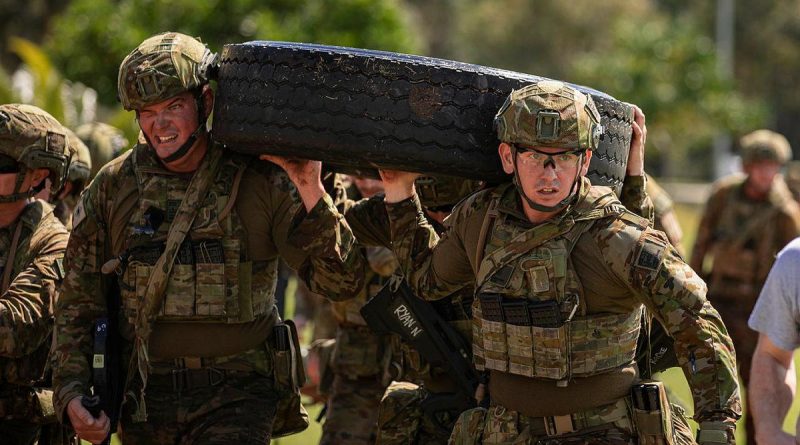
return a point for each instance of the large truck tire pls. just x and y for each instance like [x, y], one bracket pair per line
[361, 109]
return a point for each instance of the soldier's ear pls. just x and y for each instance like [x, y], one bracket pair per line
[208, 99]
[506, 157]
[587, 156]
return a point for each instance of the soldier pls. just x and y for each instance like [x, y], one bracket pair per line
[33, 148]
[192, 233]
[561, 271]
[103, 141]
[748, 219]
[359, 355]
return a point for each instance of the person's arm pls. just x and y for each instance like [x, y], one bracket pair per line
[313, 238]
[370, 222]
[771, 391]
[80, 303]
[26, 306]
[633, 194]
[658, 276]
[435, 268]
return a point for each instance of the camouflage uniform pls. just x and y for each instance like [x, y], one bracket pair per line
[31, 250]
[402, 418]
[665, 218]
[210, 363]
[741, 236]
[592, 267]
[357, 362]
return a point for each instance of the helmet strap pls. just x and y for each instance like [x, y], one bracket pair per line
[540, 207]
[17, 195]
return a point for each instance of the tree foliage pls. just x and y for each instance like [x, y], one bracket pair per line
[91, 37]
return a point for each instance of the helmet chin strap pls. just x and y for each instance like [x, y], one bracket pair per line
[19, 196]
[543, 208]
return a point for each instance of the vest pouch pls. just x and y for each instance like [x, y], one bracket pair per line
[179, 298]
[550, 353]
[358, 352]
[210, 290]
[493, 332]
[652, 413]
[290, 416]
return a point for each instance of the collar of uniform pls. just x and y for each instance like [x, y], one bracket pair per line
[511, 203]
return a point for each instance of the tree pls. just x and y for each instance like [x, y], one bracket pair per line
[91, 37]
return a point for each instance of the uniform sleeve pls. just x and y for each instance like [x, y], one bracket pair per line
[370, 222]
[435, 268]
[26, 307]
[318, 244]
[635, 198]
[777, 311]
[676, 296]
[80, 303]
[789, 223]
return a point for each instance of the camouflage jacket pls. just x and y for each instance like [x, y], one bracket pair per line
[26, 307]
[621, 265]
[742, 236]
[318, 244]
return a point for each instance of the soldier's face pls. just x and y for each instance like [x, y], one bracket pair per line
[32, 179]
[760, 175]
[546, 183]
[168, 124]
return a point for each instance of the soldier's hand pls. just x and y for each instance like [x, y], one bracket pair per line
[306, 176]
[398, 185]
[86, 426]
[638, 138]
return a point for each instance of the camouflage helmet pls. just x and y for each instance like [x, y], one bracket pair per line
[162, 67]
[549, 113]
[80, 166]
[443, 192]
[765, 145]
[104, 142]
[34, 139]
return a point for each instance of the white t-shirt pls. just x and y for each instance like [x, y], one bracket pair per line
[777, 311]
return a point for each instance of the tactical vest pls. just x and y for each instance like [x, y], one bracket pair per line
[743, 251]
[212, 279]
[529, 314]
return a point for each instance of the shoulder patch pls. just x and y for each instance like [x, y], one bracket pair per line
[650, 254]
[79, 214]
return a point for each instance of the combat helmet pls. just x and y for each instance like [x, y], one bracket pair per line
[552, 114]
[441, 193]
[32, 138]
[103, 141]
[163, 67]
[79, 170]
[765, 145]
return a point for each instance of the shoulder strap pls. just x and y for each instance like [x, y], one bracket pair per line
[157, 283]
[12, 255]
[486, 227]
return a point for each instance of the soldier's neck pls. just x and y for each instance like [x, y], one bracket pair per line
[193, 158]
[10, 212]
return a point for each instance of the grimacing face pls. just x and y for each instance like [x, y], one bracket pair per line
[544, 183]
[169, 123]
